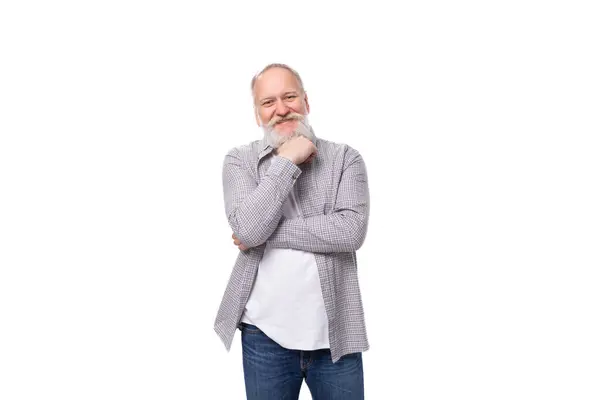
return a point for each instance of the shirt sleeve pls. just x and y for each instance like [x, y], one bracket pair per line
[255, 209]
[345, 229]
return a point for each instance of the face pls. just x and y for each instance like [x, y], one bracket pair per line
[280, 102]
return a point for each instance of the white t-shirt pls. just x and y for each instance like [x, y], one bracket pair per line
[286, 301]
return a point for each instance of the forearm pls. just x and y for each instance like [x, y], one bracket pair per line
[254, 218]
[343, 231]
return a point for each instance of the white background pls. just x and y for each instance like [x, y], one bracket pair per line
[478, 122]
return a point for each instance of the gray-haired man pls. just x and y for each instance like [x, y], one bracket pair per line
[298, 206]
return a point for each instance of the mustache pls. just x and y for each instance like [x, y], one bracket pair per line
[290, 117]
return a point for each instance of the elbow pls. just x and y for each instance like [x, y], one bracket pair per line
[359, 233]
[358, 240]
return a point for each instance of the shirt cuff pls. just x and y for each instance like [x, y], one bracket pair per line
[284, 169]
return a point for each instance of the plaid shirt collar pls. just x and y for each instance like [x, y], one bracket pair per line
[266, 149]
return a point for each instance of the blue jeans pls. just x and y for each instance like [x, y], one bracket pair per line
[274, 372]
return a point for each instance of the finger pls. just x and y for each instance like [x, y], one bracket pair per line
[237, 242]
[310, 158]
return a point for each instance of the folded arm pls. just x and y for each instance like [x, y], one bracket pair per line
[254, 210]
[345, 229]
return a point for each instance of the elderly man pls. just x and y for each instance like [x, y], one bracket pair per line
[298, 206]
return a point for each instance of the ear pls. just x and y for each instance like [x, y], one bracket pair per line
[306, 102]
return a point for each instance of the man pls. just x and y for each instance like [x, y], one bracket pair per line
[298, 206]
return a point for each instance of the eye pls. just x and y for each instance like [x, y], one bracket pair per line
[267, 103]
[290, 97]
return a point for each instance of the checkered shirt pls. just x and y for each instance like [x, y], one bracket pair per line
[333, 198]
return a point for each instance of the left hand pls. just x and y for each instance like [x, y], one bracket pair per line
[238, 243]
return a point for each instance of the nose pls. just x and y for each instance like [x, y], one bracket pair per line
[281, 109]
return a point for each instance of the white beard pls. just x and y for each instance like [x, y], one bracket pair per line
[275, 140]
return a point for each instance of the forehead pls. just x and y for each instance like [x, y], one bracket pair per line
[275, 81]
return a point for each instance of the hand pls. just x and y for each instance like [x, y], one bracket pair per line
[310, 158]
[238, 243]
[298, 150]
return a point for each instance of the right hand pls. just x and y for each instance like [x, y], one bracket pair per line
[298, 150]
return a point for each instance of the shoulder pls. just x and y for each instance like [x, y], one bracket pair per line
[245, 152]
